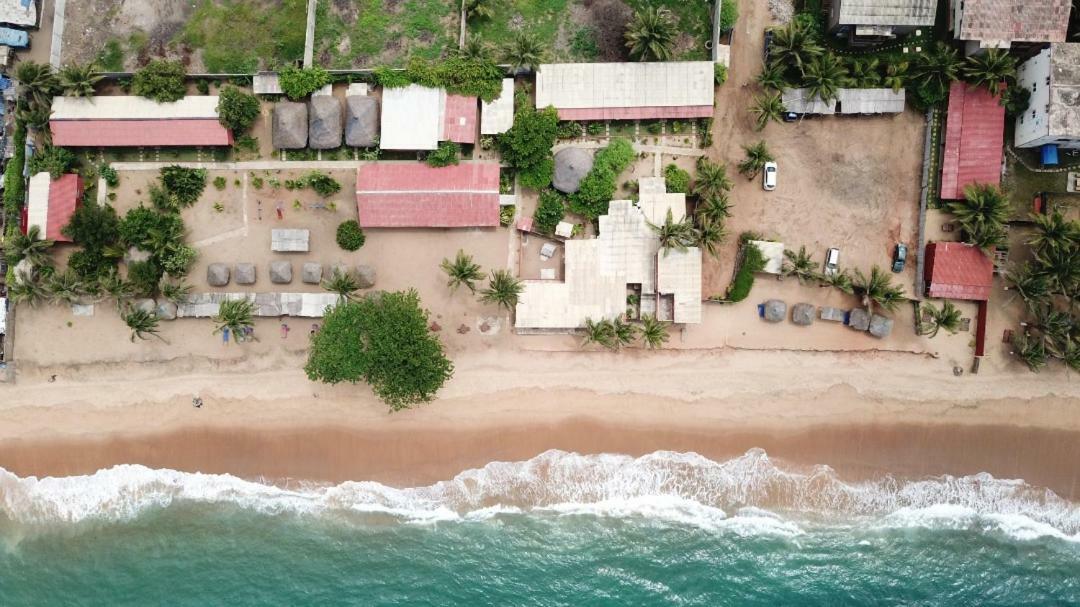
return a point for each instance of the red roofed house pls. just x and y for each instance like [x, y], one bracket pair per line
[460, 117]
[415, 195]
[128, 121]
[50, 204]
[974, 139]
[955, 270]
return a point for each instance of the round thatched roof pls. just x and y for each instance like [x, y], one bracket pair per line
[361, 121]
[571, 165]
[880, 326]
[775, 310]
[324, 123]
[802, 314]
[290, 126]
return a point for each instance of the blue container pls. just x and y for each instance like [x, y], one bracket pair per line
[1050, 155]
[14, 38]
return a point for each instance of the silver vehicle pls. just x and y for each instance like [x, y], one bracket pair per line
[769, 176]
[832, 261]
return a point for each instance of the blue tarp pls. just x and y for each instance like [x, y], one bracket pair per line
[14, 38]
[1050, 154]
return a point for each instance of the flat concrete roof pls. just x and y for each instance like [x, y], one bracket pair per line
[131, 107]
[498, 116]
[887, 12]
[1065, 89]
[625, 85]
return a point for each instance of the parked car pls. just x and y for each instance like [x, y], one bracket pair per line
[790, 116]
[899, 257]
[769, 176]
[832, 261]
[768, 43]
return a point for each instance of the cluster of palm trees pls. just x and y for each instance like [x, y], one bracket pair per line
[876, 288]
[523, 51]
[615, 333]
[705, 228]
[38, 84]
[503, 288]
[981, 215]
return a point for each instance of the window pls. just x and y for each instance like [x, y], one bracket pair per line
[1021, 119]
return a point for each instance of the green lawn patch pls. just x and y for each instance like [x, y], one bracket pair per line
[693, 19]
[245, 35]
[371, 33]
[542, 18]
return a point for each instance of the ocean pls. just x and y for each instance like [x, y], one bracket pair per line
[559, 529]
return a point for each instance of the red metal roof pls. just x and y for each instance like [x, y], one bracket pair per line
[459, 123]
[65, 194]
[415, 195]
[636, 113]
[974, 136]
[139, 133]
[956, 270]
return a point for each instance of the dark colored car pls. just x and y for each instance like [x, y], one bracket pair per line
[899, 258]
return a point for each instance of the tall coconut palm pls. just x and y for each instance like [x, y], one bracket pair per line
[64, 287]
[35, 116]
[601, 333]
[1032, 352]
[824, 76]
[343, 283]
[1031, 285]
[709, 235]
[651, 33]
[839, 280]
[756, 156]
[714, 208]
[936, 68]
[799, 264]
[525, 51]
[678, 235]
[654, 333]
[992, 68]
[30, 291]
[79, 80]
[503, 289]
[236, 315]
[896, 75]
[948, 318]
[1061, 270]
[115, 287]
[142, 323]
[37, 82]
[767, 107]
[624, 332]
[865, 73]
[711, 179]
[28, 246]
[462, 271]
[1053, 231]
[983, 212]
[772, 77]
[877, 289]
[794, 45]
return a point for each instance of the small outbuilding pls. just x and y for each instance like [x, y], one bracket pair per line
[324, 122]
[361, 121]
[290, 125]
[772, 253]
[51, 203]
[571, 166]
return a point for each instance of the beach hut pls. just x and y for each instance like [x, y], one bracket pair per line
[774, 310]
[859, 319]
[571, 166]
[290, 126]
[361, 121]
[802, 314]
[880, 327]
[324, 122]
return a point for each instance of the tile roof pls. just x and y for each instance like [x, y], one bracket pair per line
[414, 195]
[50, 203]
[974, 139]
[958, 271]
[139, 133]
[459, 119]
[1000, 22]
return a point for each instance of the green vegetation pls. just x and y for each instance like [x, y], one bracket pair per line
[651, 34]
[544, 19]
[751, 261]
[111, 56]
[768, 107]
[503, 289]
[384, 340]
[142, 323]
[298, 83]
[461, 271]
[350, 236]
[96, 228]
[160, 80]
[458, 74]
[719, 74]
[183, 185]
[219, 183]
[323, 184]
[948, 318]
[527, 145]
[982, 215]
[447, 154]
[616, 333]
[729, 13]
[654, 333]
[343, 283]
[78, 80]
[877, 288]
[242, 36]
[525, 51]
[237, 110]
[109, 174]
[678, 235]
[693, 24]
[677, 180]
[52, 160]
[550, 210]
[383, 32]
[236, 316]
[598, 186]
[756, 157]
[799, 264]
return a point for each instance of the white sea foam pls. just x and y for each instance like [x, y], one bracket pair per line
[679, 488]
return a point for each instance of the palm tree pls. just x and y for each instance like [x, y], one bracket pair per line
[176, 292]
[895, 75]
[992, 68]
[825, 76]
[28, 246]
[462, 272]
[601, 333]
[877, 289]
[114, 286]
[678, 235]
[479, 9]
[142, 323]
[525, 51]
[982, 214]
[237, 316]
[29, 291]
[65, 287]
[503, 289]
[839, 280]
[937, 68]
[948, 318]
[714, 208]
[475, 49]
[772, 77]
[865, 72]
[709, 235]
[756, 157]
[769, 106]
[1032, 286]
[79, 80]
[35, 116]
[624, 332]
[37, 81]
[650, 36]
[1031, 351]
[1061, 270]
[342, 282]
[653, 332]
[794, 45]
[1054, 231]
[799, 264]
[711, 179]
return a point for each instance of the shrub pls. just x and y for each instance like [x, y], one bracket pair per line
[109, 174]
[237, 110]
[446, 155]
[752, 261]
[177, 259]
[383, 340]
[298, 83]
[729, 12]
[219, 182]
[144, 277]
[506, 215]
[97, 229]
[203, 86]
[569, 130]
[720, 70]
[257, 183]
[595, 128]
[550, 210]
[350, 236]
[527, 145]
[391, 79]
[52, 160]
[323, 184]
[160, 80]
[677, 180]
[185, 184]
[598, 186]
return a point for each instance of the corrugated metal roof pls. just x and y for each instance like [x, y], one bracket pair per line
[130, 107]
[798, 101]
[998, 22]
[636, 113]
[1065, 90]
[411, 118]
[412, 194]
[958, 271]
[887, 12]
[498, 116]
[625, 85]
[870, 101]
[459, 122]
[139, 133]
[50, 204]
[974, 136]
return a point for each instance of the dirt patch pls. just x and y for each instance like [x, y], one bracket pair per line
[141, 27]
[609, 19]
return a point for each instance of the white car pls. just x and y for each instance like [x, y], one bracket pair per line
[832, 261]
[769, 176]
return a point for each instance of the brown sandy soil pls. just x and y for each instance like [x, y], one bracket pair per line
[92, 23]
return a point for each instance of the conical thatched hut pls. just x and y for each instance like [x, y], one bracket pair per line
[361, 121]
[290, 126]
[859, 319]
[880, 326]
[571, 165]
[324, 123]
[775, 310]
[802, 314]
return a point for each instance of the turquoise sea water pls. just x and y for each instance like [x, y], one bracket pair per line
[561, 529]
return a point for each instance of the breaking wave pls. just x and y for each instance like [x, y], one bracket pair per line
[746, 495]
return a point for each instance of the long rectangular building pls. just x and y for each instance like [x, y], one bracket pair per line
[627, 91]
[415, 195]
[974, 140]
[130, 121]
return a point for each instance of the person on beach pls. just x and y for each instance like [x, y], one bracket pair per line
[284, 331]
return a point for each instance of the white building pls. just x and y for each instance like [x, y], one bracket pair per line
[880, 19]
[627, 91]
[1053, 115]
[22, 13]
[986, 24]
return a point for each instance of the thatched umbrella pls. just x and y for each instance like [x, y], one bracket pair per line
[880, 326]
[290, 125]
[775, 310]
[361, 121]
[802, 314]
[324, 123]
[859, 320]
[571, 166]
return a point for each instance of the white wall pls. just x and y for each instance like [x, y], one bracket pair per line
[1033, 126]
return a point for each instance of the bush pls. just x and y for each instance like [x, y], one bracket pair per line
[729, 13]
[144, 277]
[177, 259]
[350, 236]
[598, 186]
[595, 128]
[752, 261]
[720, 72]
[391, 79]
[550, 210]
[237, 110]
[299, 83]
[160, 80]
[97, 229]
[569, 130]
[52, 160]
[219, 182]
[185, 184]
[109, 174]
[383, 340]
[203, 86]
[323, 184]
[676, 179]
[136, 225]
[458, 75]
[446, 155]
[527, 145]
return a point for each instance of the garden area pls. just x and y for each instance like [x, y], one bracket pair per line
[368, 33]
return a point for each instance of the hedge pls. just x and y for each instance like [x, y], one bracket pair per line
[753, 261]
[598, 186]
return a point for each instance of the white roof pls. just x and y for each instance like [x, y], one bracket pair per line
[3, 315]
[498, 116]
[411, 118]
[796, 100]
[658, 201]
[679, 274]
[130, 107]
[870, 101]
[611, 85]
[14, 13]
[887, 12]
[773, 252]
[37, 205]
[266, 83]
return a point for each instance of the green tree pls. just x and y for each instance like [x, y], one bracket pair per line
[526, 146]
[1032, 285]
[176, 291]
[676, 179]
[445, 155]
[624, 332]
[384, 340]
[839, 280]
[37, 83]
[461, 271]
[1032, 352]
[877, 289]
[1053, 231]
[601, 333]
[651, 33]
[597, 188]
[865, 73]
[756, 156]
[30, 246]
[160, 80]
[767, 107]
[550, 210]
[934, 70]
[479, 10]
[78, 80]
[235, 315]
[475, 49]
[298, 83]
[343, 283]
[503, 289]
[799, 264]
[982, 214]
[948, 318]
[350, 236]
[895, 75]
[1061, 270]
[112, 285]
[142, 323]
[236, 109]
[65, 287]
[794, 44]
[654, 333]
[712, 180]
[30, 291]
[525, 51]
[714, 208]
[772, 77]
[709, 235]
[824, 76]
[185, 184]
[54, 161]
[992, 68]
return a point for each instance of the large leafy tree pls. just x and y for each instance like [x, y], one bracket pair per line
[993, 68]
[767, 107]
[160, 80]
[236, 109]
[527, 145]
[382, 339]
[794, 44]
[824, 76]
[650, 35]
